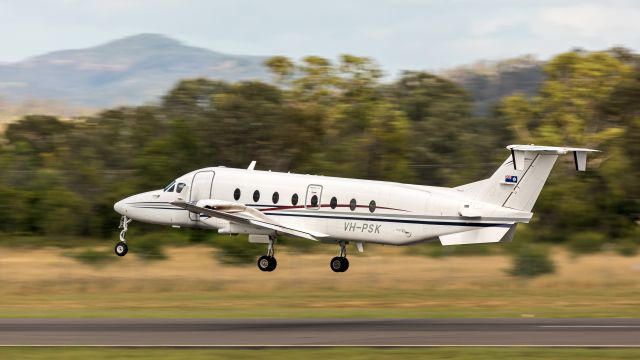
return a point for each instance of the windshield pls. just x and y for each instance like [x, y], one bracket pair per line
[170, 187]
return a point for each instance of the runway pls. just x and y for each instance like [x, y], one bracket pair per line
[320, 332]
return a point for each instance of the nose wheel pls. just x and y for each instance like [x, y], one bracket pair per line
[121, 248]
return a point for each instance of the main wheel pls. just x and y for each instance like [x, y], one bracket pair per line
[272, 263]
[121, 249]
[339, 264]
[267, 263]
[345, 264]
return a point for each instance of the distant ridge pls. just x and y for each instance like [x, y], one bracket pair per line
[489, 81]
[141, 68]
[131, 70]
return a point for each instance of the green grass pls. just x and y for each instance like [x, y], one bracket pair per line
[433, 303]
[192, 283]
[361, 353]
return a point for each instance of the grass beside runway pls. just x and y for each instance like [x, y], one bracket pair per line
[383, 283]
[451, 353]
[420, 303]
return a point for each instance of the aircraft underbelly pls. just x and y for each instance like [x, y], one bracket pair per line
[384, 231]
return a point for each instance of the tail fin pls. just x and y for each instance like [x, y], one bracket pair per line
[518, 181]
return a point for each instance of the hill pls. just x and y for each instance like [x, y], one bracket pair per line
[132, 70]
[141, 68]
[489, 81]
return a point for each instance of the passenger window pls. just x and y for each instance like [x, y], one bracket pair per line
[372, 206]
[276, 197]
[334, 202]
[180, 187]
[256, 196]
[352, 204]
[236, 194]
[314, 201]
[294, 199]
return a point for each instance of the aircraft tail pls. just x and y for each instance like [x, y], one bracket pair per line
[518, 181]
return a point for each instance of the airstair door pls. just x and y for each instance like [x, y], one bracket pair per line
[314, 197]
[201, 188]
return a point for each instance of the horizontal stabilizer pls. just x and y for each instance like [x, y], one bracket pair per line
[485, 235]
[518, 153]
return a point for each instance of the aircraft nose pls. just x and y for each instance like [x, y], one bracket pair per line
[120, 207]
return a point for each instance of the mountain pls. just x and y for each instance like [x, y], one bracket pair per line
[141, 68]
[489, 81]
[132, 70]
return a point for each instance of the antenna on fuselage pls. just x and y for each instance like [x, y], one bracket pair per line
[252, 165]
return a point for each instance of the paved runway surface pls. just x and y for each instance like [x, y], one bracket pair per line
[320, 332]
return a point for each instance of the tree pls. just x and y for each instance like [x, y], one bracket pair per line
[578, 105]
[447, 143]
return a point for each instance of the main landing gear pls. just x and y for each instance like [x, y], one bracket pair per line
[121, 248]
[340, 263]
[268, 262]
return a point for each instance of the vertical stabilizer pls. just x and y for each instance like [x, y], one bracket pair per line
[518, 181]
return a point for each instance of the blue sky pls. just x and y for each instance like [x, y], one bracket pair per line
[399, 34]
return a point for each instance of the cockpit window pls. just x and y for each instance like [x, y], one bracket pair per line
[170, 187]
[180, 187]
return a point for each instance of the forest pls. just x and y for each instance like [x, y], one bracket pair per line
[61, 177]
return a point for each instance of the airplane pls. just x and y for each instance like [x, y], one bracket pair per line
[265, 204]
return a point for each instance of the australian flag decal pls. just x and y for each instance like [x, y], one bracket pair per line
[511, 179]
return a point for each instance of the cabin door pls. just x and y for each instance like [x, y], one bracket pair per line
[201, 187]
[314, 197]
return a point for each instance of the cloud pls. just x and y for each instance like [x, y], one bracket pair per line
[493, 25]
[400, 34]
[588, 20]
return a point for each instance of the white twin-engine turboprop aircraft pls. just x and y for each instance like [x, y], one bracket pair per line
[334, 210]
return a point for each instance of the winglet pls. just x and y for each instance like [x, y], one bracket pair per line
[252, 165]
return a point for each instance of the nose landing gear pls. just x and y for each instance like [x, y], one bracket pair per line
[121, 248]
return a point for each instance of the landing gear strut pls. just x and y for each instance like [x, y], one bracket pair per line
[121, 248]
[268, 262]
[340, 263]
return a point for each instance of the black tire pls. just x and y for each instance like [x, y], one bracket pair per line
[345, 264]
[336, 264]
[273, 263]
[267, 263]
[339, 264]
[121, 249]
[263, 263]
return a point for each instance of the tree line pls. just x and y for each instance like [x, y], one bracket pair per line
[342, 118]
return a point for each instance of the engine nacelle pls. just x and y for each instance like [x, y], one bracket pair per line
[235, 229]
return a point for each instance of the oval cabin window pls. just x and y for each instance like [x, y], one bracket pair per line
[276, 197]
[256, 196]
[352, 204]
[236, 194]
[314, 201]
[294, 199]
[334, 202]
[372, 206]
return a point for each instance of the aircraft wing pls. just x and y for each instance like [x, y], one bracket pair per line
[247, 218]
